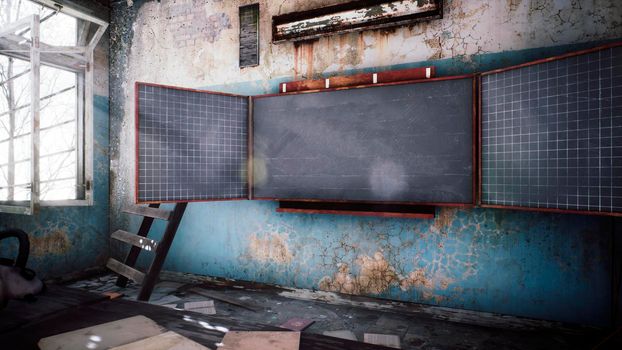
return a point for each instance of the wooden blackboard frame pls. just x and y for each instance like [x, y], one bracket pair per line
[137, 150]
[474, 129]
[480, 125]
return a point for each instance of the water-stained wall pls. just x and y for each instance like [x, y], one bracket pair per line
[70, 239]
[531, 264]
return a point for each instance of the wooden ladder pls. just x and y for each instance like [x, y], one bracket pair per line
[140, 242]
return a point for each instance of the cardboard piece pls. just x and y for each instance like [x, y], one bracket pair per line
[164, 341]
[104, 336]
[297, 324]
[234, 340]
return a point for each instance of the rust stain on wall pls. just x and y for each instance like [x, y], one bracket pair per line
[303, 59]
[309, 55]
[271, 248]
[57, 242]
[444, 219]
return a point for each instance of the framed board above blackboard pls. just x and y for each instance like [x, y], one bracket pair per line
[191, 145]
[551, 134]
[402, 143]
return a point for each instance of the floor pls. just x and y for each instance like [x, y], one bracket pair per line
[417, 326]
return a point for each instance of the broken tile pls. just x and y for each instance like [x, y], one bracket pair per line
[205, 307]
[390, 340]
[297, 324]
[205, 310]
[344, 334]
[389, 324]
[167, 299]
[198, 304]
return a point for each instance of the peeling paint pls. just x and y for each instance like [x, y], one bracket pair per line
[272, 247]
[55, 242]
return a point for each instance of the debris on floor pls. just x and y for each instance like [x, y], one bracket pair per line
[224, 298]
[297, 324]
[167, 299]
[412, 326]
[261, 341]
[104, 336]
[343, 334]
[389, 340]
[165, 341]
[204, 307]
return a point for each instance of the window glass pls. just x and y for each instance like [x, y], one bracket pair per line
[59, 114]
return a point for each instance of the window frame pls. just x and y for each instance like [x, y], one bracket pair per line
[83, 66]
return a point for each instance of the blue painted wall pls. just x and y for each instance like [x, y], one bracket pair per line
[548, 266]
[70, 239]
[529, 264]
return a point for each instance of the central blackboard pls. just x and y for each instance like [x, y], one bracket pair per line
[397, 143]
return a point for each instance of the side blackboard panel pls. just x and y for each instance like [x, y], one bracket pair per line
[552, 134]
[191, 145]
[398, 143]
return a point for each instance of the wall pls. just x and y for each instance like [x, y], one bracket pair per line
[537, 265]
[69, 239]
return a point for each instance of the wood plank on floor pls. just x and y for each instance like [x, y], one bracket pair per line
[207, 330]
[104, 335]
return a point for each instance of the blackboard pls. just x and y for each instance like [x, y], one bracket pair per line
[392, 143]
[191, 145]
[552, 134]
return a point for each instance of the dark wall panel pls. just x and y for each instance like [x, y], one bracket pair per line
[399, 143]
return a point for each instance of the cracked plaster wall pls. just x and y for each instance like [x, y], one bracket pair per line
[538, 265]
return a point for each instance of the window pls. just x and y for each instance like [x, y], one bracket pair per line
[46, 58]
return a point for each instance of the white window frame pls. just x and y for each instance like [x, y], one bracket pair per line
[79, 59]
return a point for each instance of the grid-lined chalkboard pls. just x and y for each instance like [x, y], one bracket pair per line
[192, 145]
[410, 142]
[552, 134]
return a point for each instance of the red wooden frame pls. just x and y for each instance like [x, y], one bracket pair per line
[381, 214]
[358, 209]
[418, 81]
[342, 81]
[137, 150]
[479, 124]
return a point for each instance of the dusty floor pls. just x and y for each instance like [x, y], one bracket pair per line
[418, 327]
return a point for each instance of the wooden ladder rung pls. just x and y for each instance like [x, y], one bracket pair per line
[125, 270]
[135, 240]
[155, 213]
